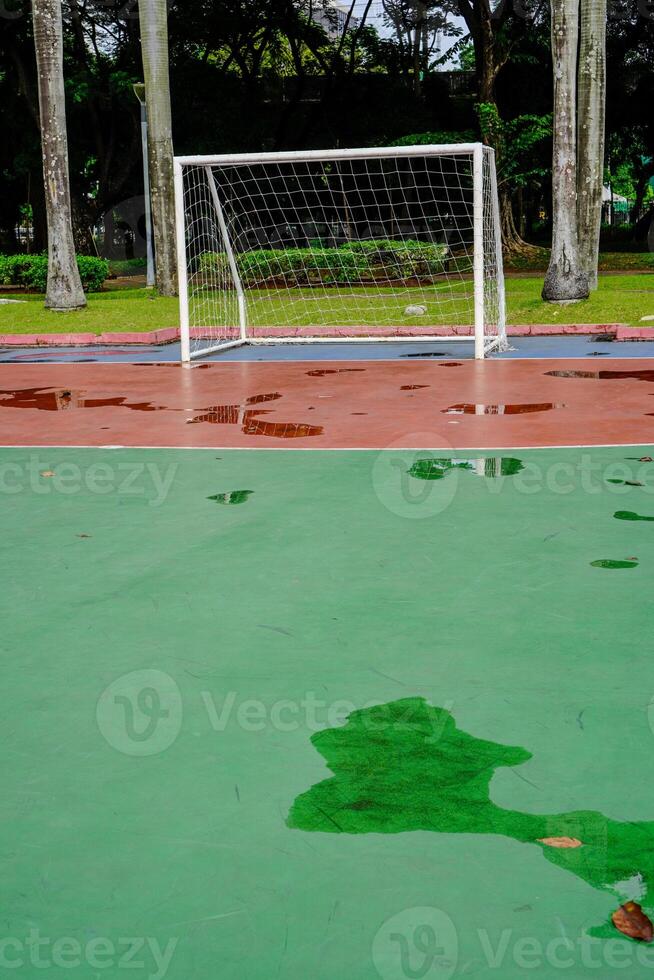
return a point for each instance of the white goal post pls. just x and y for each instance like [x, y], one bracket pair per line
[391, 243]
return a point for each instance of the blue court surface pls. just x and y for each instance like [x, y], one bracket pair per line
[521, 347]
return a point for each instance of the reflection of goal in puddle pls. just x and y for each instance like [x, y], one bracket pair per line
[488, 467]
[468, 408]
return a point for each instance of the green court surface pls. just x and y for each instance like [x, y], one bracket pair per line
[172, 643]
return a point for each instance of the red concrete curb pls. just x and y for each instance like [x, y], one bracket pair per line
[634, 333]
[168, 335]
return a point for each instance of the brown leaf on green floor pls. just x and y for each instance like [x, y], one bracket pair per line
[560, 841]
[47, 473]
[630, 920]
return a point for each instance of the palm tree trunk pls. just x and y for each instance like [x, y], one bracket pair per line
[64, 290]
[154, 46]
[590, 133]
[565, 279]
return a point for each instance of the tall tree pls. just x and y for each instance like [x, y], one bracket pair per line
[64, 289]
[496, 30]
[418, 26]
[565, 279]
[590, 133]
[153, 17]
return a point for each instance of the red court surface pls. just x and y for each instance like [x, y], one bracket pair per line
[330, 405]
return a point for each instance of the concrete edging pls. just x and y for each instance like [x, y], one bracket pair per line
[168, 335]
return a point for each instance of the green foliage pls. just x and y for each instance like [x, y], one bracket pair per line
[357, 261]
[467, 57]
[31, 271]
[518, 144]
[93, 272]
[436, 138]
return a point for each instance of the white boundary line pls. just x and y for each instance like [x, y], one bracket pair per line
[339, 449]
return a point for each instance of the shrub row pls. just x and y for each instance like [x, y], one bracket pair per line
[356, 261]
[31, 271]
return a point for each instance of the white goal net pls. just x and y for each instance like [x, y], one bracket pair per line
[395, 243]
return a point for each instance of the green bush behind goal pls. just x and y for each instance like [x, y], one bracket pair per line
[31, 271]
[351, 263]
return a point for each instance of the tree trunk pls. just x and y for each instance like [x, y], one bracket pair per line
[590, 133]
[64, 290]
[488, 71]
[154, 47]
[418, 60]
[565, 279]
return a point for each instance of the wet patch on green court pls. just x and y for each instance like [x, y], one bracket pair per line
[615, 563]
[490, 467]
[630, 515]
[405, 766]
[232, 497]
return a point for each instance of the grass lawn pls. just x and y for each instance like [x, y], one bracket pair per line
[619, 299]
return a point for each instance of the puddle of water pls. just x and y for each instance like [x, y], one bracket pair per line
[250, 421]
[231, 414]
[232, 497]
[429, 353]
[451, 364]
[604, 375]
[321, 372]
[58, 354]
[413, 387]
[467, 408]
[491, 467]
[270, 396]
[630, 515]
[62, 399]
[408, 766]
[611, 563]
[281, 430]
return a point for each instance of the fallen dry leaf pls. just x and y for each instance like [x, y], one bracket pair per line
[47, 473]
[646, 459]
[630, 920]
[560, 841]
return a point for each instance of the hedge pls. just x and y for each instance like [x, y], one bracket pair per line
[31, 271]
[356, 261]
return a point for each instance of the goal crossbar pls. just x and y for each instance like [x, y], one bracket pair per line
[319, 156]
[321, 241]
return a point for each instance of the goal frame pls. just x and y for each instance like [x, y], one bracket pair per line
[475, 151]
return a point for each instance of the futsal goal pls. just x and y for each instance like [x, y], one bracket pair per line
[359, 245]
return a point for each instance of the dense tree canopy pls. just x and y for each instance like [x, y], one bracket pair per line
[253, 74]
